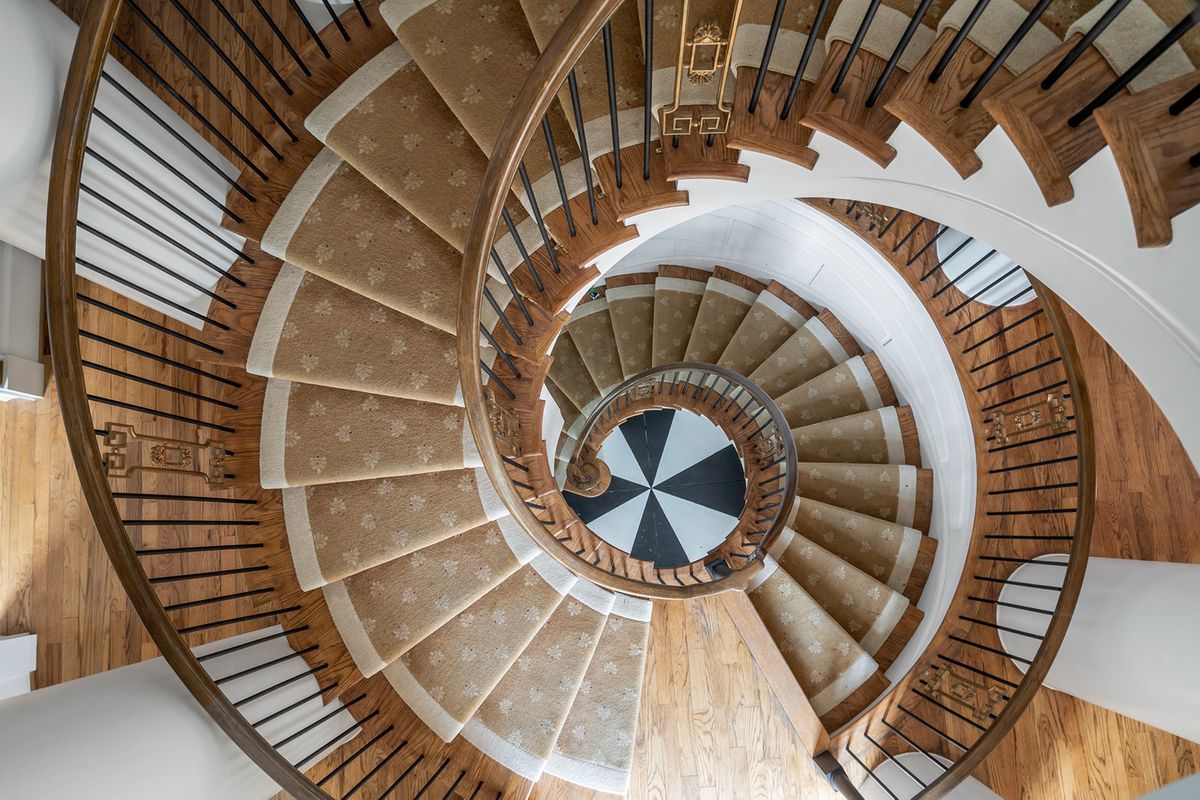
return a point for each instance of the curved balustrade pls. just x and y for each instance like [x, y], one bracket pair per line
[571, 220]
[751, 421]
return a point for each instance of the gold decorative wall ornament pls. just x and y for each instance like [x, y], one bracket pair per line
[708, 55]
[504, 423]
[979, 701]
[1048, 414]
[707, 51]
[127, 453]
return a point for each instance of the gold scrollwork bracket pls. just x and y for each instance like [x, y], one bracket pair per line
[126, 453]
[708, 53]
[1048, 413]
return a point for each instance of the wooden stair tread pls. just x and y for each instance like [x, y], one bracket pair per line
[690, 156]
[637, 195]
[1036, 120]
[933, 109]
[763, 131]
[1152, 149]
[845, 115]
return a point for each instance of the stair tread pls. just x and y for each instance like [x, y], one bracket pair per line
[339, 529]
[819, 345]
[882, 436]
[429, 587]
[317, 434]
[337, 224]
[849, 388]
[314, 331]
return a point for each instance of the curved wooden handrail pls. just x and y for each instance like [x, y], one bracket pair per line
[71, 133]
[1035, 675]
[535, 98]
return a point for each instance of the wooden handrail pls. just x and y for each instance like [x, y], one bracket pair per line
[71, 133]
[535, 98]
[1035, 675]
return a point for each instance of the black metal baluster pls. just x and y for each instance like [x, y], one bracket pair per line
[500, 351]
[911, 232]
[217, 268]
[537, 217]
[972, 323]
[927, 245]
[362, 12]
[852, 53]
[308, 27]
[279, 34]
[371, 773]
[333, 17]
[577, 111]
[246, 645]
[1181, 105]
[558, 176]
[281, 684]
[233, 67]
[487, 294]
[396, 784]
[901, 46]
[512, 230]
[648, 51]
[614, 125]
[996, 63]
[891, 223]
[978, 262]
[1012, 351]
[809, 43]
[496, 379]
[356, 725]
[112, 276]
[207, 626]
[976, 295]
[914, 745]
[179, 137]
[258, 54]
[871, 774]
[1139, 66]
[1031, 315]
[220, 96]
[164, 202]
[169, 89]
[154, 264]
[183, 337]
[516, 296]
[956, 42]
[772, 34]
[1093, 33]
[166, 387]
[894, 760]
[437, 773]
[358, 752]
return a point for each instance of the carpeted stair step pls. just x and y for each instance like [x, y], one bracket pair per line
[592, 331]
[337, 224]
[819, 345]
[572, 417]
[315, 331]
[829, 664]
[446, 677]
[728, 296]
[595, 746]
[879, 618]
[857, 384]
[338, 529]
[896, 493]
[544, 18]
[317, 434]
[631, 311]
[889, 552]
[884, 436]
[677, 294]
[390, 123]
[478, 53]
[383, 611]
[521, 719]
[571, 375]
[777, 313]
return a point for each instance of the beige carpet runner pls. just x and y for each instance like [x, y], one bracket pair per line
[854, 558]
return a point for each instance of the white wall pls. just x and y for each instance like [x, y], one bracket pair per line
[24, 375]
[1133, 643]
[36, 40]
[135, 733]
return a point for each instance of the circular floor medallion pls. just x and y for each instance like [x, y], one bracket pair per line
[677, 488]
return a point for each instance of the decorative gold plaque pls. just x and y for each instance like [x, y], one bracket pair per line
[127, 452]
[980, 702]
[504, 423]
[707, 52]
[1048, 414]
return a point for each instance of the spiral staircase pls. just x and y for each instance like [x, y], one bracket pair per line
[432, 215]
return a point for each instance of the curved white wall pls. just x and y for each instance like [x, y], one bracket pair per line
[832, 267]
[36, 41]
